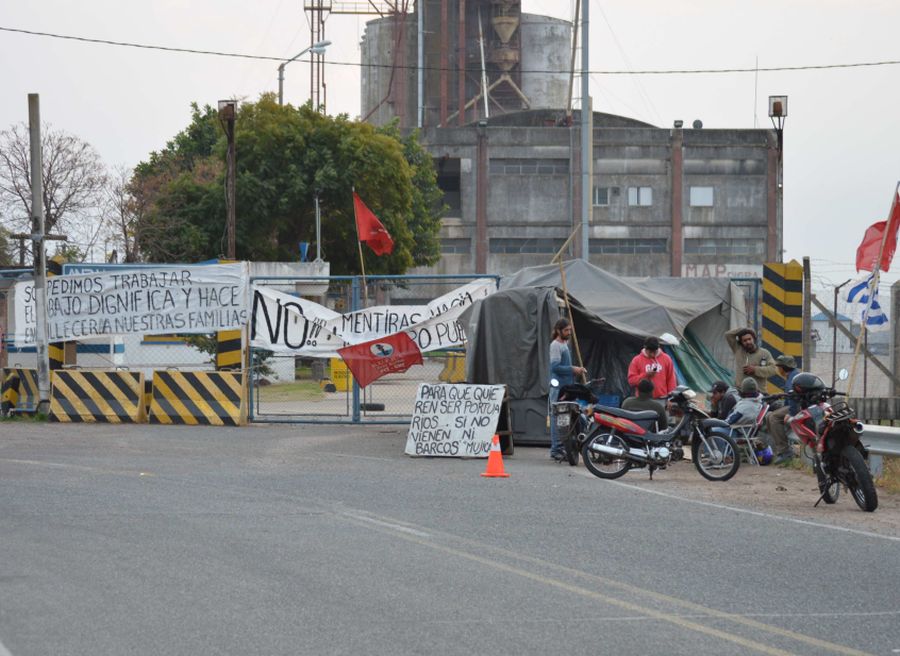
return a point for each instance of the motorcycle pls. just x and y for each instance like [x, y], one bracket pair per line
[622, 441]
[572, 412]
[830, 435]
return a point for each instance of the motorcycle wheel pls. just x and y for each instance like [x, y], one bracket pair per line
[570, 446]
[718, 461]
[604, 465]
[862, 488]
[831, 492]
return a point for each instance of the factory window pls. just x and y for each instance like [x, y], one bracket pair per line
[448, 179]
[462, 246]
[603, 194]
[628, 246]
[725, 246]
[640, 196]
[701, 196]
[525, 245]
[524, 166]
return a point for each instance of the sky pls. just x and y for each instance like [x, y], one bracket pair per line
[841, 137]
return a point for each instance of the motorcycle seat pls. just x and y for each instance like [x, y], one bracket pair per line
[636, 416]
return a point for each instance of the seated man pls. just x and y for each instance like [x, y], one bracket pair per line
[746, 410]
[645, 401]
[722, 398]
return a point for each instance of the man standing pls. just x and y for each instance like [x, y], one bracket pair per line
[775, 422]
[562, 369]
[749, 358]
[645, 401]
[654, 365]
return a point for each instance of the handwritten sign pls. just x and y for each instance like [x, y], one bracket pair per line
[161, 300]
[454, 420]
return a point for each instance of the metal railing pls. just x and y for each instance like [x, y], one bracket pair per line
[881, 440]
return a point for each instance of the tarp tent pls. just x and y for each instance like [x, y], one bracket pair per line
[509, 332]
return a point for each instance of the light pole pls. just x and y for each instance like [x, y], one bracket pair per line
[834, 337]
[317, 49]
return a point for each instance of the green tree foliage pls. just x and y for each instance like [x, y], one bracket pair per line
[286, 156]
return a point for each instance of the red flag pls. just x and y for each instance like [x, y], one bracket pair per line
[867, 253]
[370, 229]
[371, 360]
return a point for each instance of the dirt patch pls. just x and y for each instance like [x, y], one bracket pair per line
[776, 490]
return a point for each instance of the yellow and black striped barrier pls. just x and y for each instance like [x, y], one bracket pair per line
[113, 397]
[209, 398]
[20, 392]
[782, 324]
[229, 355]
[56, 352]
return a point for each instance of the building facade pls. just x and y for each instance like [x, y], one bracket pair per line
[666, 201]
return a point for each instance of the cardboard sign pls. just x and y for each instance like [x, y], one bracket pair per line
[454, 420]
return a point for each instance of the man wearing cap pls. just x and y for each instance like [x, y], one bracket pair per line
[775, 422]
[747, 409]
[722, 399]
[654, 365]
[749, 358]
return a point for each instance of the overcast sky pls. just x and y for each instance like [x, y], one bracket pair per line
[842, 143]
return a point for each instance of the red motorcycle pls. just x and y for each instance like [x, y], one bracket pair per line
[830, 434]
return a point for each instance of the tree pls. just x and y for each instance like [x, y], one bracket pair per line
[6, 248]
[285, 157]
[73, 180]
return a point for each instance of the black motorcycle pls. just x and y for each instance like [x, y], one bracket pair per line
[573, 415]
[621, 440]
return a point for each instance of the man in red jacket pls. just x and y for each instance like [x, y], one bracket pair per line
[654, 365]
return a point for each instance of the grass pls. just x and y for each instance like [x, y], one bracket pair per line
[305, 390]
[889, 481]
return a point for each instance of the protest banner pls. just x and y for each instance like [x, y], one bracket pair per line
[288, 324]
[188, 299]
[454, 420]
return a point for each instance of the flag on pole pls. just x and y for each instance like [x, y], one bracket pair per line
[869, 313]
[370, 229]
[371, 360]
[870, 247]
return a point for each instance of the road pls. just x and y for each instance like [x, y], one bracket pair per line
[328, 540]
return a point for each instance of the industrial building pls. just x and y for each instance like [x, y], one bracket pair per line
[666, 200]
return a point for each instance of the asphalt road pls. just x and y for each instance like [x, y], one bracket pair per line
[328, 540]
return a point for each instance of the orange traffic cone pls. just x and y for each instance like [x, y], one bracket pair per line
[495, 461]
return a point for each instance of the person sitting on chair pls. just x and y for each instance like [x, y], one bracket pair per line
[747, 409]
[645, 401]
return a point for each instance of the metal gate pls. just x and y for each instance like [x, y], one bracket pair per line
[289, 389]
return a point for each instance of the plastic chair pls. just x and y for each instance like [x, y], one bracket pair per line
[747, 435]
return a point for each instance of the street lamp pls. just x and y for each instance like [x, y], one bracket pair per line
[317, 49]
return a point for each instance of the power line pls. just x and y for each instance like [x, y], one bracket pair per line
[238, 55]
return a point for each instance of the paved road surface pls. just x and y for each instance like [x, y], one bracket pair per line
[327, 540]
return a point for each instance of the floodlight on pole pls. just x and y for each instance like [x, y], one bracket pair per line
[317, 48]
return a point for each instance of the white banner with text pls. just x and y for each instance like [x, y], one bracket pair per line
[188, 299]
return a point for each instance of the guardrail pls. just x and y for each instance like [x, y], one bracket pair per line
[881, 440]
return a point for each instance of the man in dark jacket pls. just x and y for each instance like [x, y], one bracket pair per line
[645, 401]
[775, 421]
[722, 399]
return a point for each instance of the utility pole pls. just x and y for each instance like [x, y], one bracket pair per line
[587, 135]
[226, 117]
[40, 255]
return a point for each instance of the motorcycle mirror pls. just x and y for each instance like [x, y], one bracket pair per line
[554, 382]
[669, 338]
[843, 374]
